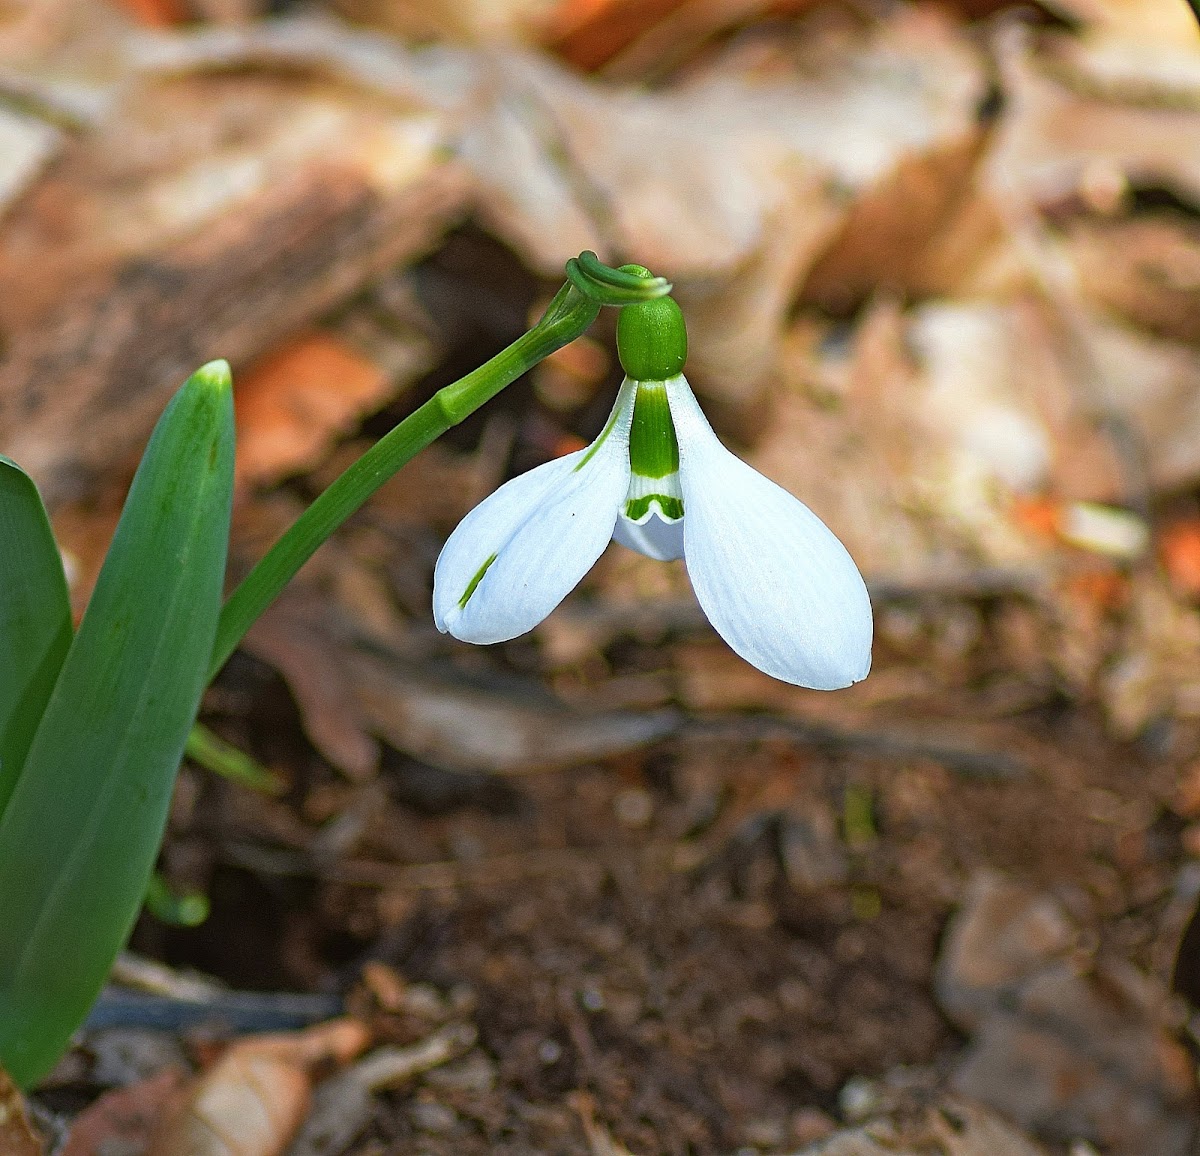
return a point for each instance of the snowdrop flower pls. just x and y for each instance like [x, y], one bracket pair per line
[771, 577]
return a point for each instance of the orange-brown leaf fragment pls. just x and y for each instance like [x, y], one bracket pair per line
[156, 13]
[1038, 515]
[17, 1137]
[588, 33]
[1179, 549]
[293, 404]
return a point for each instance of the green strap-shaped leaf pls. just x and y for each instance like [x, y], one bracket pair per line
[81, 831]
[35, 618]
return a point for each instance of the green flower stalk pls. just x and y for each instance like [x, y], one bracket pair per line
[93, 724]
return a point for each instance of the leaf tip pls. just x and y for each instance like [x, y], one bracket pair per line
[215, 374]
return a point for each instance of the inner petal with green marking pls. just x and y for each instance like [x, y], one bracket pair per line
[653, 458]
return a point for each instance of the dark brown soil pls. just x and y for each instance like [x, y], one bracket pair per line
[644, 931]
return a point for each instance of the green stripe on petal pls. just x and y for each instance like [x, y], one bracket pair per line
[639, 509]
[545, 529]
[601, 439]
[471, 586]
[653, 448]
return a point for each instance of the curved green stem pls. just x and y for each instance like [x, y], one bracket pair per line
[569, 314]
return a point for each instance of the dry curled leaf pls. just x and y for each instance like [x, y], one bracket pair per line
[252, 1101]
[17, 1137]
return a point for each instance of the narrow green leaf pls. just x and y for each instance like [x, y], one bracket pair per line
[214, 754]
[186, 909]
[35, 618]
[82, 828]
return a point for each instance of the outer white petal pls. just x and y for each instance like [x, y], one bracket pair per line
[772, 578]
[546, 529]
[656, 538]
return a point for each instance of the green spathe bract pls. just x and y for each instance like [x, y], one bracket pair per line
[35, 619]
[79, 836]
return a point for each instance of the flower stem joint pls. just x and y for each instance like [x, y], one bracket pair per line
[773, 580]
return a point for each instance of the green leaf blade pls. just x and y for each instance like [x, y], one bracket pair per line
[35, 618]
[81, 831]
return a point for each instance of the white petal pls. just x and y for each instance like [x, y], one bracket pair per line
[656, 538]
[772, 578]
[545, 528]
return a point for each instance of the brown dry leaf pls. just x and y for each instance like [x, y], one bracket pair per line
[1149, 385]
[1058, 139]
[1138, 46]
[1179, 551]
[17, 1137]
[919, 439]
[455, 725]
[123, 1119]
[27, 145]
[1145, 270]
[233, 12]
[295, 402]
[343, 1105]
[156, 13]
[503, 20]
[1158, 22]
[848, 410]
[640, 40]
[758, 157]
[886, 240]
[255, 1097]
[357, 680]
[589, 33]
[1067, 154]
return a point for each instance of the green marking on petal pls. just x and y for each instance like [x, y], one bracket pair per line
[612, 421]
[653, 447]
[669, 508]
[473, 584]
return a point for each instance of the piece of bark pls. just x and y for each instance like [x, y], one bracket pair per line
[206, 214]
[84, 386]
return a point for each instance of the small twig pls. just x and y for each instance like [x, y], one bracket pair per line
[970, 762]
[238, 1011]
